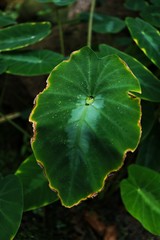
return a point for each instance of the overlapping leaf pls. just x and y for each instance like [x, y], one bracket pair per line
[11, 206]
[150, 85]
[84, 123]
[146, 37]
[35, 186]
[22, 35]
[141, 196]
[31, 63]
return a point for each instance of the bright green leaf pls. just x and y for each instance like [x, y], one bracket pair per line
[6, 20]
[149, 151]
[11, 206]
[135, 5]
[31, 63]
[35, 186]
[82, 123]
[146, 37]
[141, 196]
[150, 85]
[22, 35]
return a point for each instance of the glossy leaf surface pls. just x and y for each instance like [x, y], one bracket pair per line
[146, 37]
[82, 126]
[149, 151]
[6, 20]
[31, 63]
[150, 85]
[141, 196]
[35, 186]
[22, 35]
[11, 206]
[58, 2]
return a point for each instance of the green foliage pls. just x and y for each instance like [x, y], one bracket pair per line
[94, 109]
[140, 194]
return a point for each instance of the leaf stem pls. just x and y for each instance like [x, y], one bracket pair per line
[90, 23]
[61, 36]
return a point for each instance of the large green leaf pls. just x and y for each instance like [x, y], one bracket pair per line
[149, 151]
[35, 186]
[22, 35]
[31, 63]
[84, 123]
[11, 206]
[5, 19]
[58, 2]
[146, 37]
[150, 85]
[141, 196]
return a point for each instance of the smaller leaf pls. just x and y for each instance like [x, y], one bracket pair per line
[151, 14]
[135, 5]
[22, 35]
[146, 37]
[149, 151]
[6, 20]
[35, 186]
[141, 196]
[11, 206]
[31, 63]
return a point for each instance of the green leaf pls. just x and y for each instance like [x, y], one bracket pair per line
[151, 14]
[155, 2]
[146, 37]
[6, 20]
[3, 66]
[107, 24]
[135, 5]
[35, 186]
[31, 63]
[150, 85]
[141, 196]
[82, 127]
[11, 206]
[149, 151]
[58, 2]
[22, 35]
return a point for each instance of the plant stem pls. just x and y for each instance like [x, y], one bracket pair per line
[90, 23]
[61, 36]
[14, 124]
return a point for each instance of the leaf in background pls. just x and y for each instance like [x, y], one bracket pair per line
[31, 63]
[151, 14]
[6, 20]
[136, 5]
[155, 2]
[107, 24]
[141, 196]
[35, 186]
[146, 37]
[149, 151]
[82, 127]
[58, 2]
[150, 85]
[22, 35]
[11, 206]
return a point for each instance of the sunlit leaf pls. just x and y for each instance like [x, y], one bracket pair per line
[150, 85]
[146, 37]
[22, 35]
[141, 196]
[82, 123]
[11, 206]
[31, 63]
[35, 186]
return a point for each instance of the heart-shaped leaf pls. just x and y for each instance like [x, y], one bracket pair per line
[11, 206]
[141, 196]
[35, 186]
[31, 63]
[22, 35]
[150, 85]
[146, 37]
[84, 123]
